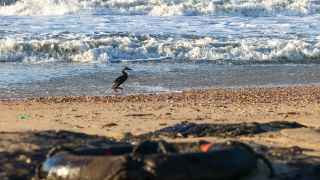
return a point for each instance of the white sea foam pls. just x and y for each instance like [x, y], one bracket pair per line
[41, 7]
[214, 7]
[149, 88]
[164, 7]
[137, 48]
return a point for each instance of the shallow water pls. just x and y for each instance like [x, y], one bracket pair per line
[95, 79]
[75, 47]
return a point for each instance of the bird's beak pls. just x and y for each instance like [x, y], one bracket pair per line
[129, 69]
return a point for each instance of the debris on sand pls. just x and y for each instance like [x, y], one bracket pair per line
[24, 117]
[139, 114]
[153, 160]
[289, 163]
[20, 156]
[112, 124]
[185, 129]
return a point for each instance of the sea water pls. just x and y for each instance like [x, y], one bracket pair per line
[78, 47]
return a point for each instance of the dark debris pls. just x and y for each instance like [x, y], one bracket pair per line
[186, 129]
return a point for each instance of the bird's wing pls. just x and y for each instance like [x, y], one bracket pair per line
[117, 82]
[118, 79]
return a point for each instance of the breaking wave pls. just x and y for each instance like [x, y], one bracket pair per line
[39, 7]
[115, 48]
[162, 7]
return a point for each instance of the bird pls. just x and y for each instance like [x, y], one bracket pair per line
[119, 80]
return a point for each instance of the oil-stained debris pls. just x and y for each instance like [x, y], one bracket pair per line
[186, 129]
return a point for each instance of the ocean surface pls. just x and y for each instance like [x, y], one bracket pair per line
[78, 47]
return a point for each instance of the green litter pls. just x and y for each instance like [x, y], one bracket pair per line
[24, 117]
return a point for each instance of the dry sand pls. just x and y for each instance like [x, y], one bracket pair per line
[113, 116]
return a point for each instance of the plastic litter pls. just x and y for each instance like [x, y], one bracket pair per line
[24, 117]
[152, 160]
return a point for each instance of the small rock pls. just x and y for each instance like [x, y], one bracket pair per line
[110, 125]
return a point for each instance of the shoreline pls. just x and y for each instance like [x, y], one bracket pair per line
[157, 93]
[168, 94]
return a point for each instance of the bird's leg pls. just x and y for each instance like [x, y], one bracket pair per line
[115, 90]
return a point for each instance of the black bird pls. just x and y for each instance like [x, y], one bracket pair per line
[121, 79]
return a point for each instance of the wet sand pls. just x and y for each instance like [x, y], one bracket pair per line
[115, 116]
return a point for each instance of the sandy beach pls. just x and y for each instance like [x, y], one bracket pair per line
[142, 113]
[115, 116]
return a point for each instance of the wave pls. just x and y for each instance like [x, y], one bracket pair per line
[235, 7]
[163, 7]
[39, 7]
[139, 48]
